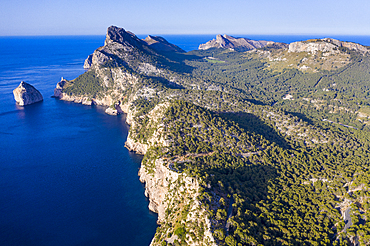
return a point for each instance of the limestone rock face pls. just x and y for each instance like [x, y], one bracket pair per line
[240, 44]
[312, 47]
[88, 62]
[26, 94]
[119, 35]
[325, 45]
[59, 88]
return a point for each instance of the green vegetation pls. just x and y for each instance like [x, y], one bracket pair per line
[87, 84]
[285, 174]
[213, 60]
[281, 196]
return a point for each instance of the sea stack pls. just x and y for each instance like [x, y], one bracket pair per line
[26, 94]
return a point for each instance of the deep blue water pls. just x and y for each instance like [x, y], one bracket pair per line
[65, 176]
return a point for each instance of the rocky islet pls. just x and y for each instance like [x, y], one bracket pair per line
[26, 94]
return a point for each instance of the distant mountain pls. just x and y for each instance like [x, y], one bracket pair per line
[312, 55]
[239, 44]
[325, 45]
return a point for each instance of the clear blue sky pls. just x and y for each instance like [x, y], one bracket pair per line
[85, 17]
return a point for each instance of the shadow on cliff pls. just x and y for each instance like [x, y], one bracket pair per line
[252, 123]
[176, 61]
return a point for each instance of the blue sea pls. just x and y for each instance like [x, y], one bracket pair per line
[65, 177]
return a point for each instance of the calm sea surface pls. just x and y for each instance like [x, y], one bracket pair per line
[65, 176]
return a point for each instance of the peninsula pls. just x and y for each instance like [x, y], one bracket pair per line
[235, 148]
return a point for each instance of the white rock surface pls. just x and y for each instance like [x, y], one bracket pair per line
[26, 94]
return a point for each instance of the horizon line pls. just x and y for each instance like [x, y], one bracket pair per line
[189, 34]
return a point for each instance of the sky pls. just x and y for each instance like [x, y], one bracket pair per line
[93, 17]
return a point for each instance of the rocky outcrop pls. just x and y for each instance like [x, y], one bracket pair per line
[165, 189]
[134, 146]
[115, 109]
[312, 47]
[108, 63]
[59, 87]
[349, 45]
[157, 186]
[240, 44]
[119, 35]
[26, 94]
[325, 45]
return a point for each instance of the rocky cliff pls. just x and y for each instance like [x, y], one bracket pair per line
[349, 45]
[172, 194]
[240, 44]
[169, 191]
[312, 47]
[26, 94]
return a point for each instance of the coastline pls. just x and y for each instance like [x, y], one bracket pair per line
[165, 189]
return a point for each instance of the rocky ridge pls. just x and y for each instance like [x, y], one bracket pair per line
[329, 45]
[311, 56]
[239, 44]
[26, 94]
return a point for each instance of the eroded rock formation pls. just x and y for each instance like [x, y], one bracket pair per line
[26, 94]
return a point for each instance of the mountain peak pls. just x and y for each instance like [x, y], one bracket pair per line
[119, 35]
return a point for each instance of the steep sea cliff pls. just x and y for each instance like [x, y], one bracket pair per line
[166, 189]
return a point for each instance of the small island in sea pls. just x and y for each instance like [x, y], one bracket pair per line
[245, 142]
[26, 94]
